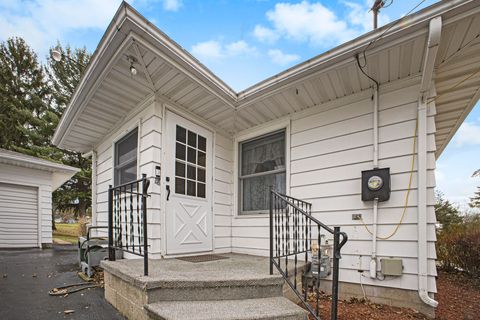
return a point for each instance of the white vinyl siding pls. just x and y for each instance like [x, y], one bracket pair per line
[148, 118]
[329, 147]
[34, 186]
[18, 216]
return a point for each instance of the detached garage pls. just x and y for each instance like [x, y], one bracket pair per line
[26, 186]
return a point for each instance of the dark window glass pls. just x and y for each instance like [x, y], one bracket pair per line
[179, 169]
[191, 155]
[179, 185]
[202, 158]
[201, 174]
[125, 162]
[192, 139]
[202, 143]
[191, 188]
[191, 172]
[181, 134]
[180, 151]
[201, 190]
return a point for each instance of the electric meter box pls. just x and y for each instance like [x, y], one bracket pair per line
[376, 184]
[391, 267]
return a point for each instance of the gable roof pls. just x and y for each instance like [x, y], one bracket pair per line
[60, 172]
[107, 92]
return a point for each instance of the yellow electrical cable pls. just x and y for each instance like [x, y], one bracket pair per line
[406, 196]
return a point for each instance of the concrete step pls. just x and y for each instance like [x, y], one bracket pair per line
[238, 277]
[198, 289]
[265, 308]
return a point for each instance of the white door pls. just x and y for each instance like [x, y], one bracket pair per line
[189, 186]
[18, 216]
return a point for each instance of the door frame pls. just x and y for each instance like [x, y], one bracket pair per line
[165, 108]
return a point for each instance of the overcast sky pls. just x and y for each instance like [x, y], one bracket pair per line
[243, 42]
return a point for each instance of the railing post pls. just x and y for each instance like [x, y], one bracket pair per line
[144, 215]
[111, 249]
[336, 260]
[271, 232]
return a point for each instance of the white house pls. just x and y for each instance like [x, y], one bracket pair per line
[26, 186]
[309, 131]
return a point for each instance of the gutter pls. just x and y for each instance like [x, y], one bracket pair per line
[435, 30]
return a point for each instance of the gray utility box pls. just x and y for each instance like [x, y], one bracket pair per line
[391, 266]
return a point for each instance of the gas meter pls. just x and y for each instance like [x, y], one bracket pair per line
[324, 264]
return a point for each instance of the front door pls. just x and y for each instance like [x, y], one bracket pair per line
[189, 186]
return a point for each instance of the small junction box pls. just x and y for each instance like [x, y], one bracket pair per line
[391, 266]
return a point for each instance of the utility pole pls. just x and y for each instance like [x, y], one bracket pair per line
[377, 5]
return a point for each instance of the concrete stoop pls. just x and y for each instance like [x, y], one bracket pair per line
[239, 288]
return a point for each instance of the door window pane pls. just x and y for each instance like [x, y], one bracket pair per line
[190, 163]
[180, 151]
[192, 139]
[191, 188]
[179, 185]
[181, 134]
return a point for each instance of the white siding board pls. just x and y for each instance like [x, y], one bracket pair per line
[329, 149]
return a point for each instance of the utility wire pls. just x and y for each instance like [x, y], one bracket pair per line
[364, 56]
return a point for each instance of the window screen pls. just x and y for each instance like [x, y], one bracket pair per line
[262, 167]
[126, 158]
[190, 163]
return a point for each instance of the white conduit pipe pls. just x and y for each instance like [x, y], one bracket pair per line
[373, 260]
[435, 30]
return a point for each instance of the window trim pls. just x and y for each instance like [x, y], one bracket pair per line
[252, 134]
[127, 162]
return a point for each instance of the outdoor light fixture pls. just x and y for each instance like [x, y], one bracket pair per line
[132, 60]
[56, 55]
[133, 70]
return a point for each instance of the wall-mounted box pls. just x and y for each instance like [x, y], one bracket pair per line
[391, 266]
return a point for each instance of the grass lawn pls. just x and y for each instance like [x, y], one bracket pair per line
[67, 232]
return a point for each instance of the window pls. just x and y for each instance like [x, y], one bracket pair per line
[262, 167]
[190, 163]
[125, 168]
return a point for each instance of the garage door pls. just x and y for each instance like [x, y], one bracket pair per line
[18, 216]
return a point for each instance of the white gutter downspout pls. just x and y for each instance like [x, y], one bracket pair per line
[373, 260]
[435, 30]
[94, 188]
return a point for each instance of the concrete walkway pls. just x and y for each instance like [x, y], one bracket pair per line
[26, 276]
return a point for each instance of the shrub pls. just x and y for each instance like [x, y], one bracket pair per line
[458, 247]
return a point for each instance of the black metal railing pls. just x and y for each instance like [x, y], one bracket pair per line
[293, 231]
[127, 219]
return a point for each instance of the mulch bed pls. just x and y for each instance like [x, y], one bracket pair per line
[458, 297]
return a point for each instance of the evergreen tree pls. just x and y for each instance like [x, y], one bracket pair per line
[64, 77]
[32, 100]
[24, 100]
[475, 200]
[447, 213]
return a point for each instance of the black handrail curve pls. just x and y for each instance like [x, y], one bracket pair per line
[291, 234]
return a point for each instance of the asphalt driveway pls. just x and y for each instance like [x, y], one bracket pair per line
[26, 276]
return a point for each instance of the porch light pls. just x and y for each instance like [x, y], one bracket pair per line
[56, 55]
[133, 70]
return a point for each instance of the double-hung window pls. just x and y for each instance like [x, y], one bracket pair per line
[125, 166]
[262, 167]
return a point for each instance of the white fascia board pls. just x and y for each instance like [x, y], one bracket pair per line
[22, 160]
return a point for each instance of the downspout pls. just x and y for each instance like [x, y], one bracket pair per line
[373, 260]
[94, 188]
[435, 30]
